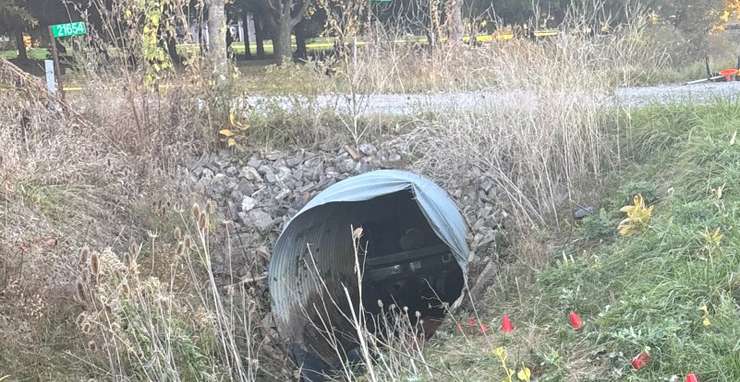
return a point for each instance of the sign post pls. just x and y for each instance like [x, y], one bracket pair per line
[55, 55]
[51, 84]
[63, 30]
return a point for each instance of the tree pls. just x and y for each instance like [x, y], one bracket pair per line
[245, 24]
[217, 40]
[694, 19]
[284, 15]
[311, 26]
[259, 36]
[732, 9]
[454, 21]
[258, 9]
[14, 19]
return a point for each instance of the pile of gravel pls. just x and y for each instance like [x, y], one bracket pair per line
[258, 193]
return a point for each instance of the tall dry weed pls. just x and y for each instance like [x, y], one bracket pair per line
[393, 59]
[99, 170]
[544, 135]
[161, 328]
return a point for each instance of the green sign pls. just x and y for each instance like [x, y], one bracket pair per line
[69, 29]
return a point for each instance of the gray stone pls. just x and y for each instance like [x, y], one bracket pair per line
[298, 174]
[250, 173]
[367, 148]
[231, 171]
[248, 203]
[317, 172]
[254, 162]
[290, 183]
[246, 187]
[485, 238]
[271, 178]
[341, 155]
[283, 173]
[268, 173]
[237, 195]
[257, 218]
[363, 167]
[218, 184]
[231, 184]
[487, 185]
[282, 195]
[295, 160]
[581, 212]
[347, 165]
[200, 187]
[273, 155]
[206, 173]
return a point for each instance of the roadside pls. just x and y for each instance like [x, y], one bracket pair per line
[409, 104]
[665, 287]
[120, 177]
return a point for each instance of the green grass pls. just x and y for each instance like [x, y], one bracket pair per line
[639, 292]
[694, 70]
[36, 54]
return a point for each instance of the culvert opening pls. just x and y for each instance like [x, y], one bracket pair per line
[413, 253]
[405, 263]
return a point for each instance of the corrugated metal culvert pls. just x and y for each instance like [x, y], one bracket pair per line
[414, 254]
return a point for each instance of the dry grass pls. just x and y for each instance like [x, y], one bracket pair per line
[383, 65]
[102, 179]
[160, 328]
[546, 143]
[544, 138]
[108, 182]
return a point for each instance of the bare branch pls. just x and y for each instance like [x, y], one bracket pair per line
[275, 6]
[295, 19]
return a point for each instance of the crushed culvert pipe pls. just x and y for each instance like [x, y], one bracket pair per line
[412, 253]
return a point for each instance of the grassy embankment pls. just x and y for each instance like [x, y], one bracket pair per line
[670, 289]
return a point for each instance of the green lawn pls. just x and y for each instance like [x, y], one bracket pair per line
[37, 54]
[318, 44]
[645, 292]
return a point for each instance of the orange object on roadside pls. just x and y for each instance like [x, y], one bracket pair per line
[729, 74]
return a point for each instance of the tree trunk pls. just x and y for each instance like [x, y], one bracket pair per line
[259, 36]
[22, 52]
[217, 40]
[455, 22]
[201, 40]
[281, 40]
[172, 49]
[245, 26]
[301, 53]
[433, 25]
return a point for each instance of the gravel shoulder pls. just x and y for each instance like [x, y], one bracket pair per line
[406, 104]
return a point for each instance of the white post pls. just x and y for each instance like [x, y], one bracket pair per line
[51, 83]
